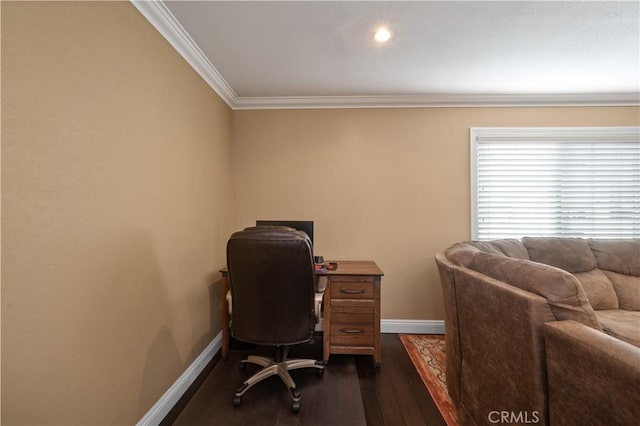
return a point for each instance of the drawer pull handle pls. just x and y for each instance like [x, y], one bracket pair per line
[352, 330]
[349, 291]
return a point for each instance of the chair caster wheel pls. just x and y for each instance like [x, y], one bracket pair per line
[295, 406]
[320, 372]
[237, 400]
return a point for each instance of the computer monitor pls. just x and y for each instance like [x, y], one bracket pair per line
[300, 225]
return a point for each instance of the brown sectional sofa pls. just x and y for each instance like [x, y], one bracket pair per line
[543, 330]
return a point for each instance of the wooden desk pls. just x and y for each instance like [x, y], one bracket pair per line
[351, 310]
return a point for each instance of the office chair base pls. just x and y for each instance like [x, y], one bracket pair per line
[281, 369]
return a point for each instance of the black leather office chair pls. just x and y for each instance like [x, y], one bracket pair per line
[273, 300]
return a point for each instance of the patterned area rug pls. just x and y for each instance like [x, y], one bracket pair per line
[427, 351]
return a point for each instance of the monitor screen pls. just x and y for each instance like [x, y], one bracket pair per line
[300, 225]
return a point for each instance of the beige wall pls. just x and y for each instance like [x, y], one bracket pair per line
[385, 184]
[119, 186]
[116, 196]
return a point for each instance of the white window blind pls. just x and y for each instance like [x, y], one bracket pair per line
[573, 182]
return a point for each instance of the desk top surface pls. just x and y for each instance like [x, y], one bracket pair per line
[354, 267]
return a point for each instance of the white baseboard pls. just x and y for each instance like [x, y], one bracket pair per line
[412, 326]
[404, 326]
[159, 411]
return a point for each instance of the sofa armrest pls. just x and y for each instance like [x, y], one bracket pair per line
[500, 330]
[593, 378]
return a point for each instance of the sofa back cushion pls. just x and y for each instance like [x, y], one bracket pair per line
[461, 253]
[619, 260]
[627, 287]
[571, 254]
[561, 289]
[599, 289]
[510, 247]
[621, 256]
[575, 255]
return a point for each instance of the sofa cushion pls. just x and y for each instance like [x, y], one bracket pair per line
[509, 247]
[627, 288]
[570, 254]
[624, 325]
[621, 256]
[574, 255]
[461, 253]
[562, 290]
[598, 288]
[620, 262]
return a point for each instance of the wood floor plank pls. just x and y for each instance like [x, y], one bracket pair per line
[427, 406]
[372, 407]
[423, 401]
[409, 406]
[407, 401]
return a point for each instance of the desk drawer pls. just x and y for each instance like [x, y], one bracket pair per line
[352, 326]
[352, 334]
[353, 318]
[351, 289]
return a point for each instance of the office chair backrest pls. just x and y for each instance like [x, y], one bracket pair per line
[272, 280]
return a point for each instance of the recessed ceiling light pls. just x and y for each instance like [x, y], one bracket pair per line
[382, 35]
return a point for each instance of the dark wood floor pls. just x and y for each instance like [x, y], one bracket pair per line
[391, 395]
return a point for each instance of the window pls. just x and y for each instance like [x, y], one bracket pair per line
[572, 182]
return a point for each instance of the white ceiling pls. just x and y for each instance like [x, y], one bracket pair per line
[321, 53]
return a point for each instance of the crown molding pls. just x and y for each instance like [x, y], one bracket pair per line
[163, 20]
[440, 101]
